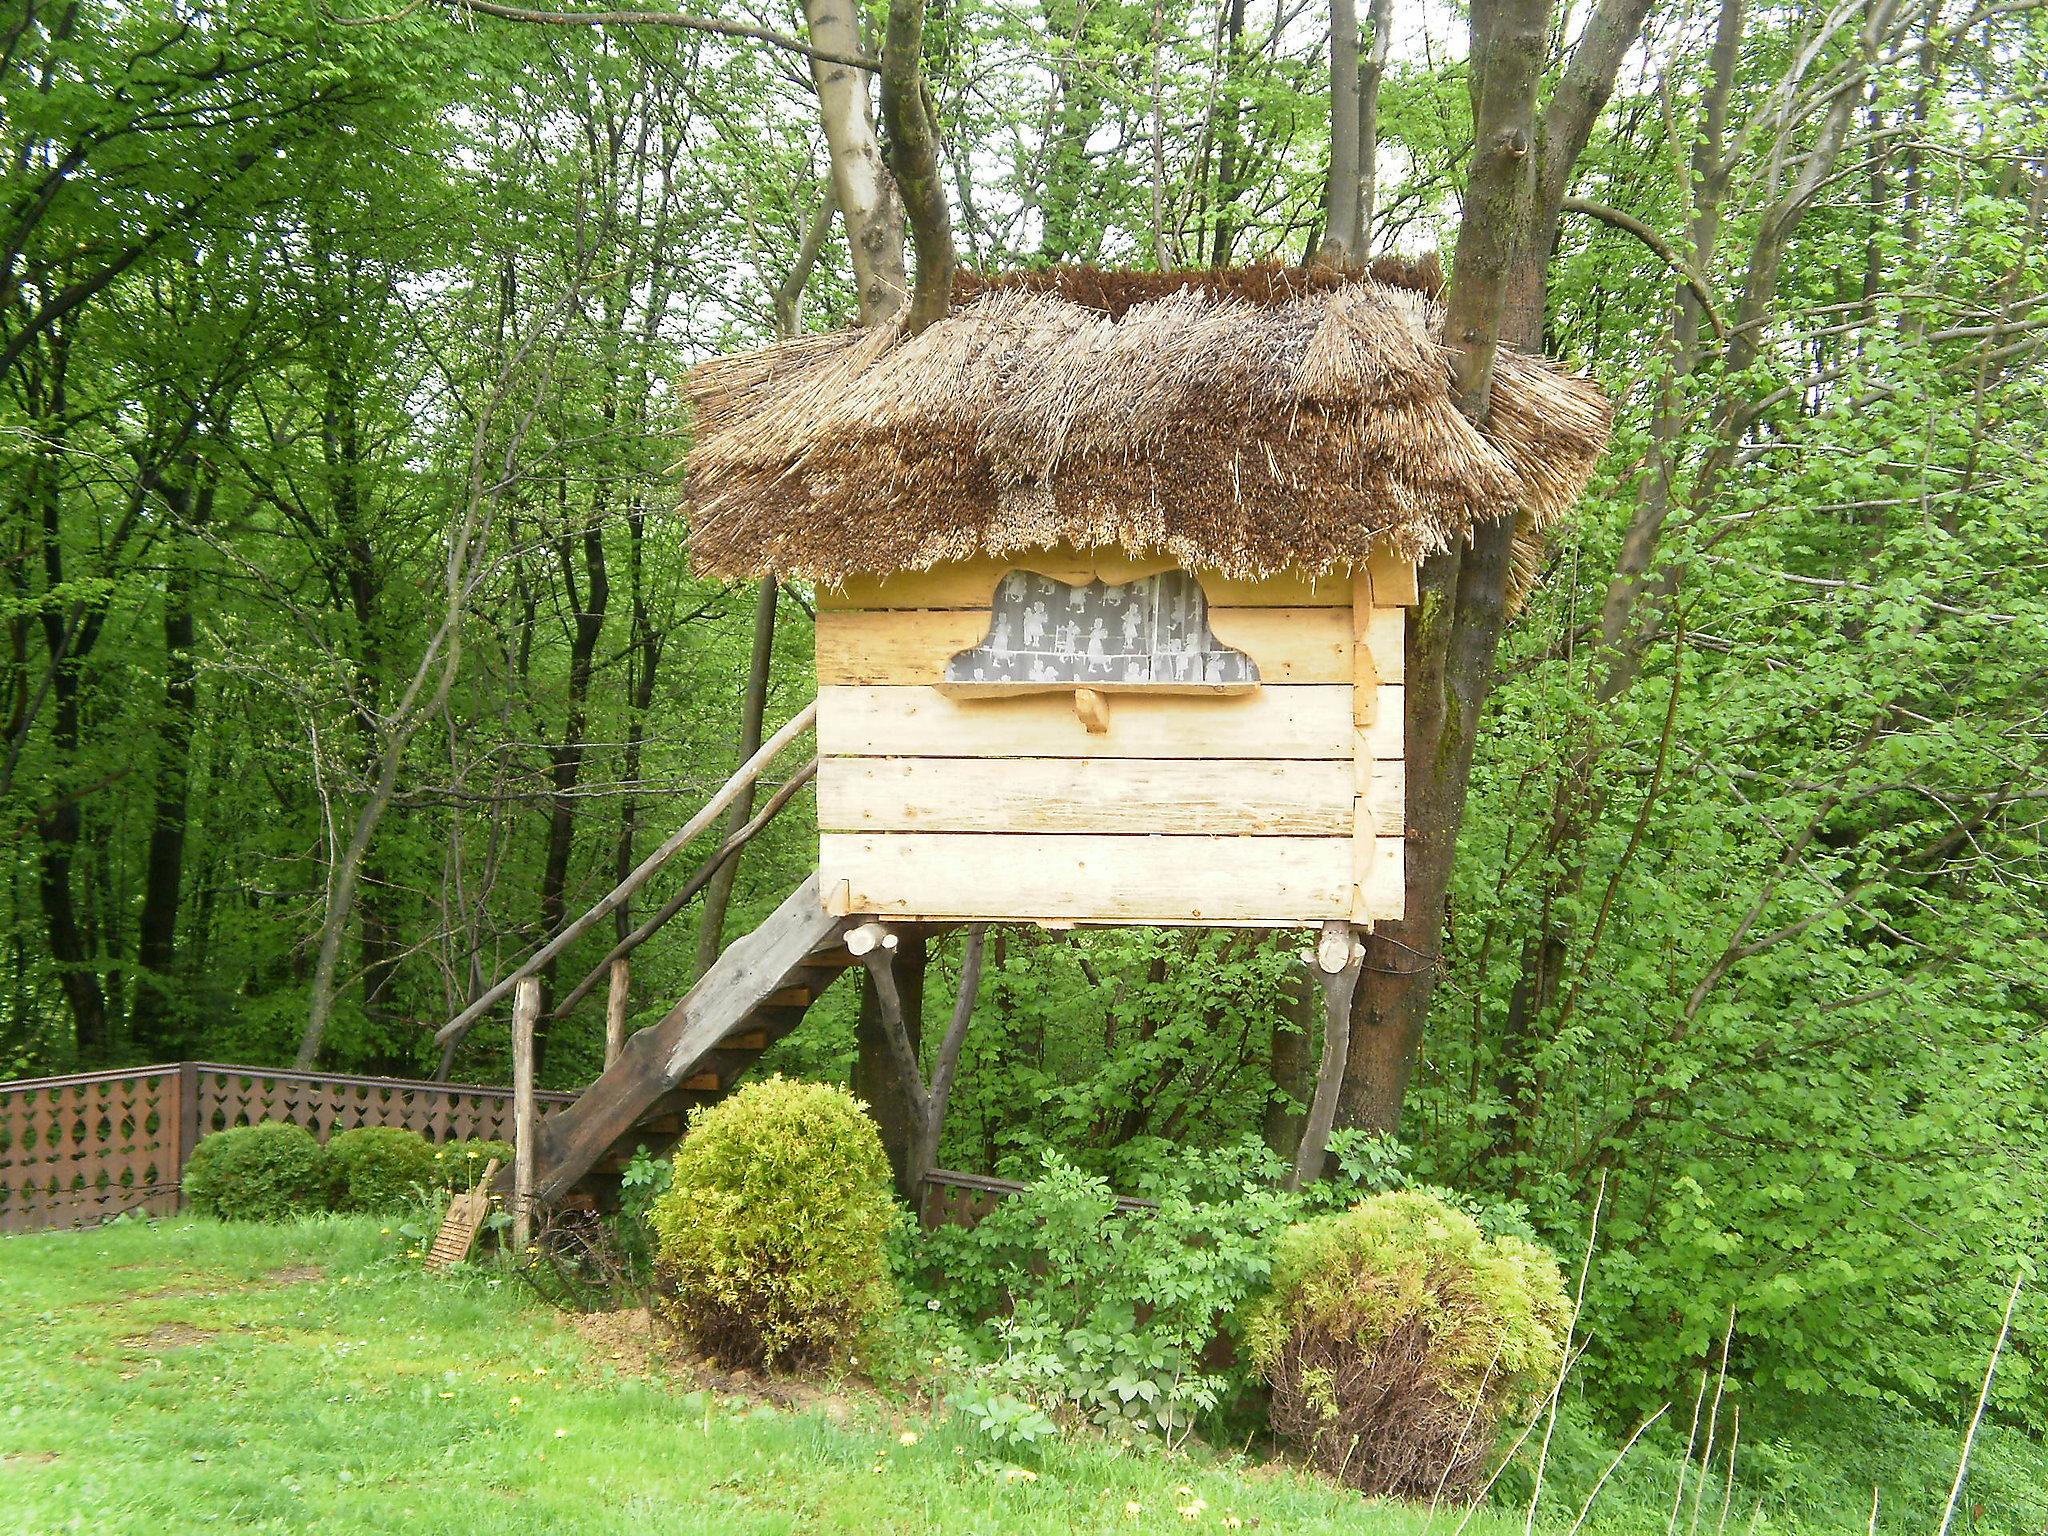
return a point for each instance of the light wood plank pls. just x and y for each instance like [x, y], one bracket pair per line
[1380, 887]
[1365, 696]
[1249, 881]
[866, 720]
[972, 583]
[912, 646]
[1067, 795]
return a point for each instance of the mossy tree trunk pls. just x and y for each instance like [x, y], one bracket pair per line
[1521, 168]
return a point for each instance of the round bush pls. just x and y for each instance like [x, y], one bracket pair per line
[261, 1172]
[378, 1168]
[1397, 1337]
[461, 1164]
[770, 1239]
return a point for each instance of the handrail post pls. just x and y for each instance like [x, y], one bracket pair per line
[525, 1010]
[646, 870]
[615, 1011]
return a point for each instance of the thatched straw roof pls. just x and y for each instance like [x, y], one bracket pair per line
[1249, 429]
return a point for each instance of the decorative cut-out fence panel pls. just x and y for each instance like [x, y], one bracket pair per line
[79, 1149]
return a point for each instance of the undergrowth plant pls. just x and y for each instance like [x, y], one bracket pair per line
[771, 1238]
[265, 1172]
[376, 1169]
[1101, 1313]
[1398, 1336]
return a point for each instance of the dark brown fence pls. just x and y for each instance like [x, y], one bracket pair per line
[76, 1150]
[949, 1198]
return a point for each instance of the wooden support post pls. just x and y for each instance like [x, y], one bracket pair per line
[188, 1132]
[870, 937]
[615, 1011]
[525, 1010]
[1337, 959]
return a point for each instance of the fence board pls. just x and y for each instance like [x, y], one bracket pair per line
[78, 1149]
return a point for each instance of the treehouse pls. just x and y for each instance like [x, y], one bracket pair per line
[1114, 578]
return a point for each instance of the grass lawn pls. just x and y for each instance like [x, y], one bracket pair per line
[194, 1376]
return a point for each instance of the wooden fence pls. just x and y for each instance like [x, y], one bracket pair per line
[77, 1150]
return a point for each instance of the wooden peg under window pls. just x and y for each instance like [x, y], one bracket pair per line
[1093, 709]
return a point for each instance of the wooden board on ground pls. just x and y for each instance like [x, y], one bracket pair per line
[464, 1220]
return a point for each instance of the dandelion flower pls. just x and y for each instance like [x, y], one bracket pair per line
[908, 1437]
[515, 1400]
[1133, 1507]
[1231, 1522]
[561, 1434]
[1192, 1510]
[1019, 1475]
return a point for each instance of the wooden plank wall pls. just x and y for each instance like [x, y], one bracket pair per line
[1280, 806]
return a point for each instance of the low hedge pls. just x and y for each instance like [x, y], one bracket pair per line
[264, 1172]
[377, 1168]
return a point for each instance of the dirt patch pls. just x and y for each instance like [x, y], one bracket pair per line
[631, 1340]
[30, 1458]
[295, 1274]
[170, 1336]
[636, 1342]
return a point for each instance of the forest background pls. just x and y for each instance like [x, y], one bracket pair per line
[348, 642]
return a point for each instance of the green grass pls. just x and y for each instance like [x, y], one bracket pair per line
[192, 1376]
[195, 1376]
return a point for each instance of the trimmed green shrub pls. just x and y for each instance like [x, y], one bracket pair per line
[1398, 1337]
[378, 1168]
[770, 1238]
[264, 1172]
[460, 1164]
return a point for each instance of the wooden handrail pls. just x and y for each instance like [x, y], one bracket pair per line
[648, 867]
[690, 887]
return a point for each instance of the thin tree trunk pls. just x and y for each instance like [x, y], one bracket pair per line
[718, 893]
[566, 759]
[877, 1081]
[1287, 1063]
[156, 927]
[1371, 73]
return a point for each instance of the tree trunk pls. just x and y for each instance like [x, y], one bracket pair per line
[1287, 1062]
[1455, 630]
[913, 157]
[860, 181]
[1370, 74]
[566, 760]
[718, 894]
[151, 1018]
[1342, 246]
[876, 1080]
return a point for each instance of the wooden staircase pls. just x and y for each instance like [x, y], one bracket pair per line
[756, 992]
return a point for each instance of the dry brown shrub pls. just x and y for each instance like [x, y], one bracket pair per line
[1397, 1339]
